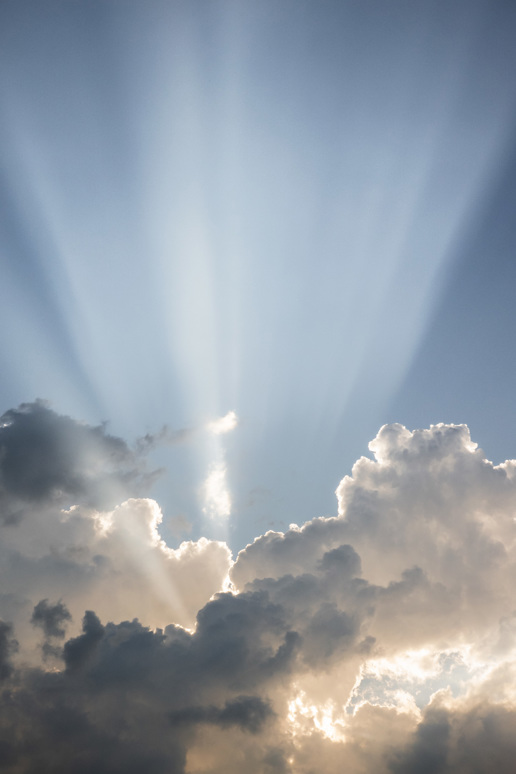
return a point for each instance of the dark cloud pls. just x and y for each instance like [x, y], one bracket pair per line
[123, 703]
[427, 754]
[121, 678]
[246, 712]
[47, 728]
[8, 646]
[51, 618]
[329, 630]
[480, 739]
[80, 649]
[342, 561]
[47, 457]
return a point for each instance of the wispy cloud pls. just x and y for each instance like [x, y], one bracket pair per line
[217, 497]
[215, 490]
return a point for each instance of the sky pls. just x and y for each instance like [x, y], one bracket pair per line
[257, 496]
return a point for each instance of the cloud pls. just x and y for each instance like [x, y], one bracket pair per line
[127, 691]
[8, 646]
[379, 640]
[470, 739]
[51, 618]
[224, 424]
[247, 712]
[46, 457]
[217, 498]
[77, 537]
[215, 489]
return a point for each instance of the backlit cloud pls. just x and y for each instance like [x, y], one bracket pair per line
[379, 640]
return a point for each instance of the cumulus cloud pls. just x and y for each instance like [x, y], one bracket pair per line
[84, 537]
[379, 640]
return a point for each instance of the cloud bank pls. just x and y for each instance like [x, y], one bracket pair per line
[380, 640]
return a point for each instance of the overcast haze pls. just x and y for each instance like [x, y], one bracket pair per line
[257, 313]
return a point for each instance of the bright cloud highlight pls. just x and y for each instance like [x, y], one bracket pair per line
[224, 424]
[217, 497]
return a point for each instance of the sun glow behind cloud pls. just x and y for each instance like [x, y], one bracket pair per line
[305, 718]
[223, 425]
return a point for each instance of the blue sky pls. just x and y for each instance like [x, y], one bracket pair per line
[301, 212]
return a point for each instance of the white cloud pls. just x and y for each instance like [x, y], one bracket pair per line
[224, 424]
[215, 490]
[217, 498]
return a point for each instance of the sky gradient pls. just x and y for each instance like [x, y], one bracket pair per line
[239, 241]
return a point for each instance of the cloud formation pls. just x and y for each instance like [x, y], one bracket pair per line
[72, 545]
[224, 424]
[49, 459]
[379, 640]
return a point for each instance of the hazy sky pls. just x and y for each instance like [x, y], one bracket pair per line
[237, 239]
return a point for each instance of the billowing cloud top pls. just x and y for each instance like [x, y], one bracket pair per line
[380, 640]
